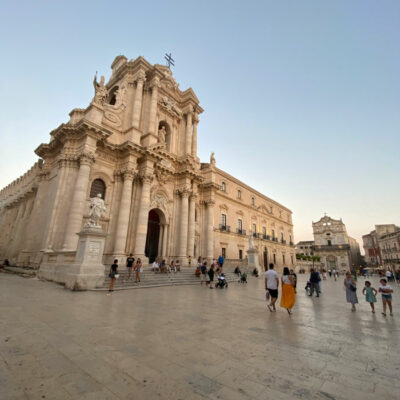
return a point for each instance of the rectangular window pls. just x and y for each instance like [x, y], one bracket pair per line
[253, 201]
[329, 242]
[240, 254]
[264, 231]
[240, 225]
[292, 259]
[283, 259]
[239, 194]
[273, 233]
[274, 258]
[223, 252]
[254, 228]
[223, 221]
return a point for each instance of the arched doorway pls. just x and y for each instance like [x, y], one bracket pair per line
[152, 249]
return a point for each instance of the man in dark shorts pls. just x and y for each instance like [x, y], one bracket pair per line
[129, 264]
[203, 270]
[271, 285]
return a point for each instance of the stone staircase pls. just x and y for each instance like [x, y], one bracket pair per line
[26, 272]
[150, 279]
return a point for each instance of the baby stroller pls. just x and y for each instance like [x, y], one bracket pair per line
[243, 278]
[222, 283]
[308, 288]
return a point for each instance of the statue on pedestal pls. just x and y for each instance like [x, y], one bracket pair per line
[251, 241]
[96, 208]
[212, 159]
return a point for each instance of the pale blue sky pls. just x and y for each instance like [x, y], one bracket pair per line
[301, 98]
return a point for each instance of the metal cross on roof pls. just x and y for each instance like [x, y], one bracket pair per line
[170, 60]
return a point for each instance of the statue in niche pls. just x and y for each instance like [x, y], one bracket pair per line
[100, 91]
[120, 97]
[96, 208]
[212, 159]
[161, 135]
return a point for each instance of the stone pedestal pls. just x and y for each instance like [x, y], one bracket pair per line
[87, 272]
[252, 260]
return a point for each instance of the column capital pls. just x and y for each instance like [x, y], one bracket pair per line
[194, 196]
[155, 83]
[145, 177]
[183, 192]
[86, 158]
[210, 203]
[140, 77]
[128, 174]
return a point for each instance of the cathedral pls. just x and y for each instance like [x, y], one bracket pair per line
[136, 146]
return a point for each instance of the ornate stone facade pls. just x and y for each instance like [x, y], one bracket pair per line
[137, 143]
[334, 246]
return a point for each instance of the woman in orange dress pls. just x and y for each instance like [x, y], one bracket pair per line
[288, 298]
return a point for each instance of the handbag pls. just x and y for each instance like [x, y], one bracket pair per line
[353, 288]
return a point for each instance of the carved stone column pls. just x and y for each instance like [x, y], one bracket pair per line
[194, 137]
[189, 131]
[191, 228]
[165, 240]
[210, 229]
[141, 229]
[77, 207]
[123, 214]
[153, 106]
[183, 232]
[137, 106]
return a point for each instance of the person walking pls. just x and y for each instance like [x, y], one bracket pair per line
[129, 265]
[351, 289]
[370, 295]
[211, 276]
[314, 282]
[113, 275]
[294, 278]
[203, 270]
[271, 286]
[335, 274]
[138, 269]
[288, 298]
[221, 262]
[386, 291]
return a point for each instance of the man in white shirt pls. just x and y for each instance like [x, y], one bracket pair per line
[156, 267]
[271, 285]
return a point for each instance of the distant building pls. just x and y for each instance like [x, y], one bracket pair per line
[389, 244]
[334, 246]
[305, 248]
[371, 243]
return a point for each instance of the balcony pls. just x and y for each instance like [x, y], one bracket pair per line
[266, 237]
[291, 243]
[283, 241]
[274, 239]
[241, 231]
[224, 228]
[256, 235]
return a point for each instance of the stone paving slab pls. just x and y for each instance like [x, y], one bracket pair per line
[190, 342]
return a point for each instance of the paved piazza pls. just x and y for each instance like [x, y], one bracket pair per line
[192, 343]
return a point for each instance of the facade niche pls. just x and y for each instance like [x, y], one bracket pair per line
[98, 186]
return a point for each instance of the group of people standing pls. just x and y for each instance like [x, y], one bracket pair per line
[207, 274]
[130, 266]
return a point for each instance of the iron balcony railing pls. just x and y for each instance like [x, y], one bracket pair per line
[283, 241]
[266, 237]
[225, 228]
[241, 231]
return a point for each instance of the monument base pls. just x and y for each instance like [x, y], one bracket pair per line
[252, 260]
[82, 270]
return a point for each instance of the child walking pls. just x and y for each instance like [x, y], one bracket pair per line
[386, 292]
[370, 295]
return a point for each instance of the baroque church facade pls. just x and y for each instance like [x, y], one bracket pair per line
[136, 145]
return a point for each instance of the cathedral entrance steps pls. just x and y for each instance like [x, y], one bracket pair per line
[25, 272]
[150, 279]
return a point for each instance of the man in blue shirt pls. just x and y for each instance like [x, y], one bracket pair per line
[220, 261]
[314, 282]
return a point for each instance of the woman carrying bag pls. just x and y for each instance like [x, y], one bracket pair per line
[113, 275]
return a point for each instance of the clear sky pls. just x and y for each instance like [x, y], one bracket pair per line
[301, 98]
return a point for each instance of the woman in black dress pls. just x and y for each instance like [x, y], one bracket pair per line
[113, 272]
[211, 275]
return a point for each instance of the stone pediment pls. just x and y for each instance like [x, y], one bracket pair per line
[262, 208]
[224, 207]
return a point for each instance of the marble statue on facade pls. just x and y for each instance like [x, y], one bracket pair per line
[96, 208]
[100, 91]
[212, 159]
[161, 135]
